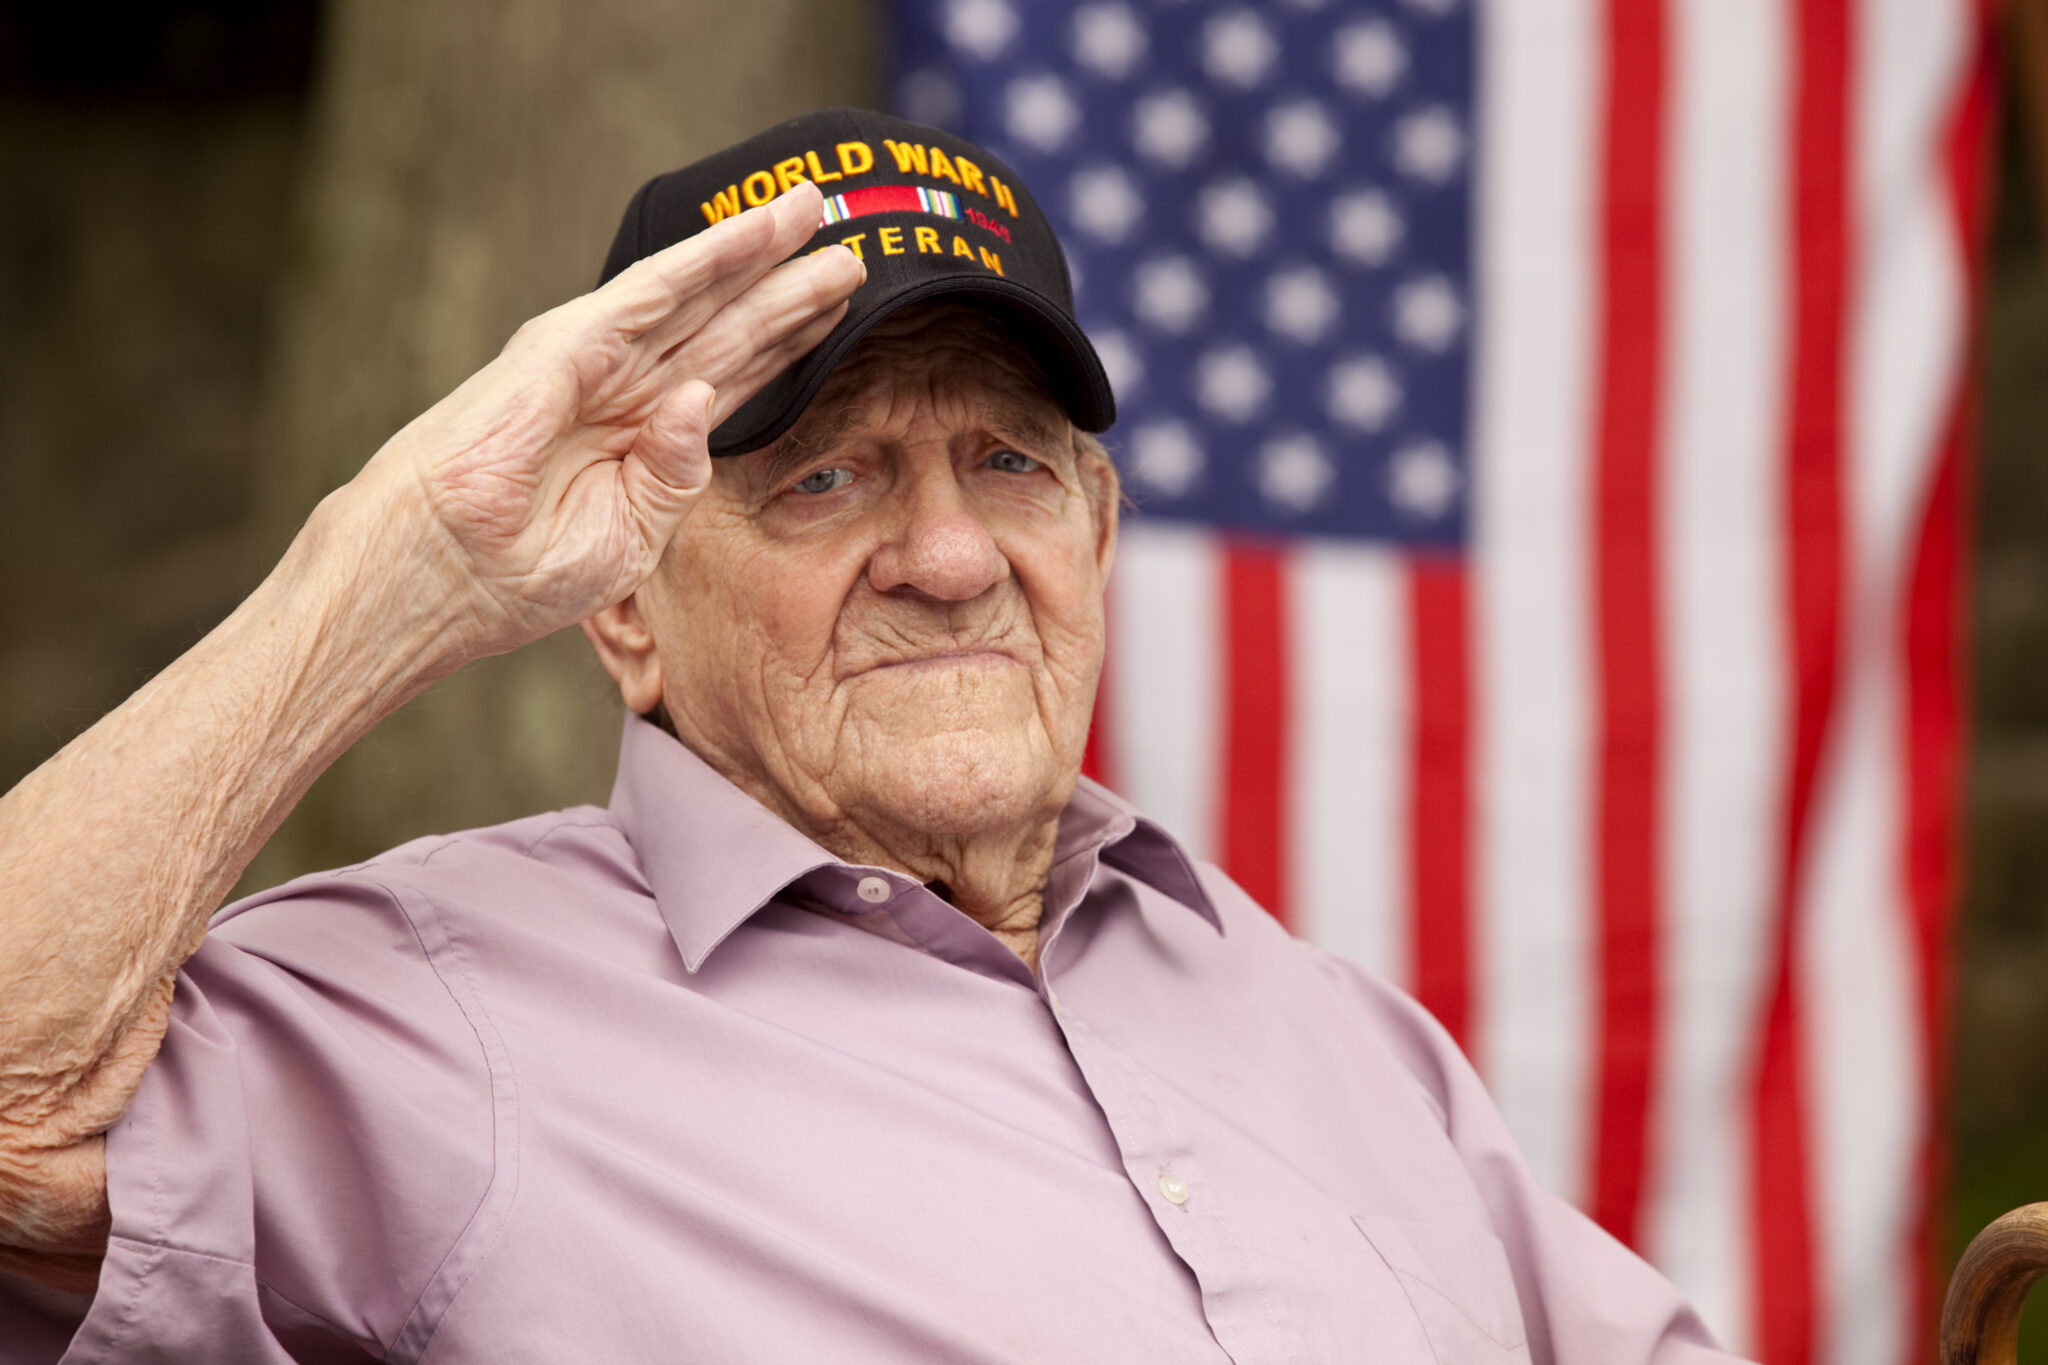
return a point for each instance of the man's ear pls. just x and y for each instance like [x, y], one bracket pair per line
[1106, 497]
[625, 646]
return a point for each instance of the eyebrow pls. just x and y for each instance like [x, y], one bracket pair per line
[1025, 421]
[809, 439]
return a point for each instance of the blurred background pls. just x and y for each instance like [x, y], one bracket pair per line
[242, 243]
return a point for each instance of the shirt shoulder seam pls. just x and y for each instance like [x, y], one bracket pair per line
[525, 850]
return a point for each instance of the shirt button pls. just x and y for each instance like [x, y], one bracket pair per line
[873, 890]
[1173, 1189]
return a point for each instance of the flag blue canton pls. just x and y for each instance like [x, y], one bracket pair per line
[1268, 216]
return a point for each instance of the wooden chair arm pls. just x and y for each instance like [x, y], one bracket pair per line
[1980, 1322]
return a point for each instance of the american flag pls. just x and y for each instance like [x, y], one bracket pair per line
[1546, 422]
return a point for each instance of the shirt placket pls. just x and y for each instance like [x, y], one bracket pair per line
[1167, 1162]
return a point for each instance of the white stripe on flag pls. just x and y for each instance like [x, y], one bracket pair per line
[1349, 759]
[1166, 715]
[1723, 452]
[1867, 1059]
[1863, 1053]
[1534, 250]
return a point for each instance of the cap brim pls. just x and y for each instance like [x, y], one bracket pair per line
[1046, 332]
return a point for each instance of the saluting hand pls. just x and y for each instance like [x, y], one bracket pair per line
[547, 486]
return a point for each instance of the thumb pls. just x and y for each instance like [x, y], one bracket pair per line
[670, 463]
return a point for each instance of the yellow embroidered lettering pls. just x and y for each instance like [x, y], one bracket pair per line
[818, 172]
[970, 175]
[991, 260]
[942, 167]
[790, 172]
[855, 157]
[1003, 195]
[724, 204]
[960, 248]
[853, 243]
[908, 155]
[759, 188]
[927, 241]
[891, 240]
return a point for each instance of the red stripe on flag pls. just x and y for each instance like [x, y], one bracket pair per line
[1933, 740]
[1255, 654]
[1784, 1266]
[1626, 572]
[1439, 799]
[1935, 660]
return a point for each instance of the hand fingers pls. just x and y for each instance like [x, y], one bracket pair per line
[672, 444]
[669, 294]
[670, 462]
[765, 365]
[789, 300]
[794, 219]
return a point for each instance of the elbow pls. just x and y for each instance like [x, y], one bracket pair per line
[54, 1214]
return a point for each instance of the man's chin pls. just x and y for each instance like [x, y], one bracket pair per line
[964, 781]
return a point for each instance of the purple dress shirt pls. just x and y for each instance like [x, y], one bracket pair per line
[667, 1081]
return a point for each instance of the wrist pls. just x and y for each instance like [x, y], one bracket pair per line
[354, 619]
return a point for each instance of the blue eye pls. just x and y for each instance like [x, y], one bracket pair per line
[1013, 462]
[824, 481]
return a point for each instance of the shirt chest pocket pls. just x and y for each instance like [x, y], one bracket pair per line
[1459, 1284]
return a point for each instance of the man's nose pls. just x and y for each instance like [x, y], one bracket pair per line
[938, 544]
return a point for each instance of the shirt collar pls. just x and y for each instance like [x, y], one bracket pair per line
[713, 855]
[1097, 817]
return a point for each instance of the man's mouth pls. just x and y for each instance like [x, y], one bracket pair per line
[951, 659]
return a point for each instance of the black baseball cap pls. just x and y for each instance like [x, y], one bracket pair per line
[931, 215]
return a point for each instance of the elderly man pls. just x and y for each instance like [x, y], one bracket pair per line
[858, 1026]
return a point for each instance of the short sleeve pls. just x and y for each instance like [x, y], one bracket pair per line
[310, 1160]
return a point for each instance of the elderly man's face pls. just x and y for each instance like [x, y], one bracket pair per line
[893, 617]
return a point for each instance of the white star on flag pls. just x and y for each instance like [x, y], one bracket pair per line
[1169, 128]
[1427, 313]
[1422, 480]
[1233, 383]
[1108, 39]
[1166, 457]
[929, 97]
[1238, 49]
[1370, 57]
[1170, 293]
[1106, 203]
[1429, 145]
[1294, 473]
[982, 27]
[1300, 304]
[1234, 217]
[1365, 227]
[1120, 360]
[1041, 112]
[1363, 393]
[1301, 137]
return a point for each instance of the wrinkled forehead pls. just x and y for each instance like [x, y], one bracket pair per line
[951, 360]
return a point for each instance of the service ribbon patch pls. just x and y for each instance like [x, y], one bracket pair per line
[889, 199]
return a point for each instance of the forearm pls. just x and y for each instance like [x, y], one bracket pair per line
[114, 853]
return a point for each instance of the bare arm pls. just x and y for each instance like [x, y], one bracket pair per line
[542, 490]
